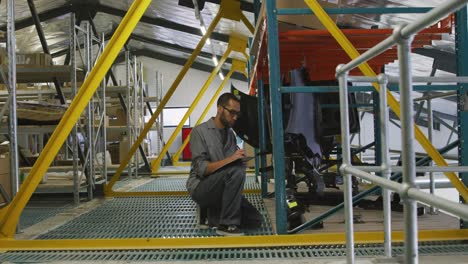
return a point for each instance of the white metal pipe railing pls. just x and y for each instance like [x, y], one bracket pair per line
[386, 171]
[346, 160]
[421, 79]
[426, 20]
[458, 209]
[402, 36]
[418, 169]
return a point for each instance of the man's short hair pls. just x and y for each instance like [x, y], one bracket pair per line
[223, 100]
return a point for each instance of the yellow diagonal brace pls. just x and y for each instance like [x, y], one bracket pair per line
[247, 23]
[11, 214]
[236, 66]
[162, 104]
[175, 158]
[392, 102]
[155, 164]
[223, 242]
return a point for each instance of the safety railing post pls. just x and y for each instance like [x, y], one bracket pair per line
[385, 157]
[407, 142]
[346, 161]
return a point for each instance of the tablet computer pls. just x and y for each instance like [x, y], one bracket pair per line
[246, 158]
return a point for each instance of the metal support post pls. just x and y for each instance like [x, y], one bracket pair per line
[90, 117]
[385, 164]
[74, 137]
[279, 167]
[13, 121]
[407, 142]
[104, 114]
[141, 112]
[461, 49]
[136, 86]
[262, 135]
[129, 108]
[430, 129]
[347, 177]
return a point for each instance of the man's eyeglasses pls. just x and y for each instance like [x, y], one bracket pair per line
[232, 112]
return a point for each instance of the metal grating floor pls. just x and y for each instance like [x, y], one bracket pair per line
[146, 217]
[34, 213]
[178, 184]
[368, 250]
[174, 216]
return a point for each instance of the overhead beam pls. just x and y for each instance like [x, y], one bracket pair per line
[162, 23]
[170, 46]
[44, 16]
[179, 61]
[244, 5]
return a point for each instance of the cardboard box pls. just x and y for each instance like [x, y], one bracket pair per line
[97, 120]
[119, 118]
[5, 179]
[304, 21]
[38, 59]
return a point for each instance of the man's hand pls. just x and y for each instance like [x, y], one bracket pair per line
[214, 166]
[239, 154]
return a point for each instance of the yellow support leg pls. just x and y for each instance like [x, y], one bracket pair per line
[392, 102]
[108, 189]
[236, 66]
[155, 164]
[11, 213]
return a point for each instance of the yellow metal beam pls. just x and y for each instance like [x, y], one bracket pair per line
[392, 102]
[222, 242]
[11, 213]
[247, 23]
[237, 65]
[155, 164]
[162, 104]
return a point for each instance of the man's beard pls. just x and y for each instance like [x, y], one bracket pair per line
[225, 122]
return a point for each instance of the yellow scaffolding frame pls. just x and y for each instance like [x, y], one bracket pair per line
[9, 216]
[229, 9]
[237, 65]
[392, 102]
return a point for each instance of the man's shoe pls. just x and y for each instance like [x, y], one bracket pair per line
[230, 230]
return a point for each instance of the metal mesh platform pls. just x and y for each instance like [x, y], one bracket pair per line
[178, 184]
[368, 250]
[146, 217]
[33, 214]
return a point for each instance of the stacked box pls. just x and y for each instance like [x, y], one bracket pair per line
[38, 59]
[5, 179]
